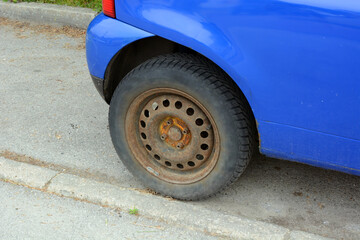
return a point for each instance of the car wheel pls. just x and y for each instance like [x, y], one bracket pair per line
[181, 126]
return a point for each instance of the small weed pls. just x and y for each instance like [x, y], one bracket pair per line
[134, 211]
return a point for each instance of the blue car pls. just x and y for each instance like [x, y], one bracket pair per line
[196, 88]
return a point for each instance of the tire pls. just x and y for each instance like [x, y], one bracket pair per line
[155, 127]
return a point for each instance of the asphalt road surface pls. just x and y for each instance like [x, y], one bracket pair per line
[50, 110]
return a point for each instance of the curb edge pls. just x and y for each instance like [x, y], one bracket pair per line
[48, 14]
[162, 209]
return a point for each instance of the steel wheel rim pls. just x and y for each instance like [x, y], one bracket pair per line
[172, 136]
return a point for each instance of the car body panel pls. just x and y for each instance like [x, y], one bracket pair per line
[104, 38]
[310, 147]
[296, 61]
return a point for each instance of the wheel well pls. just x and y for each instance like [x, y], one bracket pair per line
[133, 55]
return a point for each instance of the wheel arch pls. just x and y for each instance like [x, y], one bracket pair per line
[132, 55]
[136, 52]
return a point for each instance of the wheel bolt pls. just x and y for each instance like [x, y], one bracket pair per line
[180, 145]
[169, 122]
[185, 131]
[163, 137]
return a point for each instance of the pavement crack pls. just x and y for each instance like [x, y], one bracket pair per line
[46, 186]
[287, 236]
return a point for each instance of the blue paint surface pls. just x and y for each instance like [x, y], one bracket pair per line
[104, 38]
[296, 61]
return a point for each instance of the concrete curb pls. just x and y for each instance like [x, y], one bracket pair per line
[48, 14]
[164, 209]
[25, 174]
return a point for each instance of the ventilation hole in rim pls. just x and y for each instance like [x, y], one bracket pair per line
[155, 106]
[204, 146]
[199, 122]
[190, 111]
[143, 135]
[199, 157]
[147, 113]
[166, 103]
[168, 164]
[191, 164]
[178, 104]
[204, 134]
[157, 157]
[143, 124]
[179, 165]
[148, 147]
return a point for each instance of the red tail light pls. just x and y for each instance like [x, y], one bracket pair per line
[109, 8]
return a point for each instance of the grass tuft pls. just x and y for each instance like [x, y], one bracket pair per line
[134, 211]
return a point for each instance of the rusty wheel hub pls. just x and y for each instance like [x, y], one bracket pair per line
[172, 136]
[175, 132]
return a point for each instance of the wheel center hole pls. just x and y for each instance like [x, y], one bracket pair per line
[175, 134]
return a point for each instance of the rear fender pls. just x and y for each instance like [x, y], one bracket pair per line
[105, 37]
